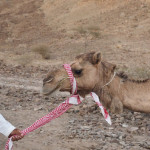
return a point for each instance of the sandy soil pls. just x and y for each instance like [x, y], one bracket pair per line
[119, 29]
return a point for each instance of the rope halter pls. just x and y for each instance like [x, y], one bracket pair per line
[93, 95]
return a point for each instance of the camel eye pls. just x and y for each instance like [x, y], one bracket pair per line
[78, 72]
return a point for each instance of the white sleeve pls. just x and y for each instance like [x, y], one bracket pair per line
[5, 127]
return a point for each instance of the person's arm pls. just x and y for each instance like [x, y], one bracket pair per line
[9, 130]
[5, 127]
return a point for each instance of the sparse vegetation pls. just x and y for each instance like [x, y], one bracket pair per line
[142, 72]
[94, 31]
[93, 28]
[95, 34]
[43, 50]
[81, 30]
[90, 30]
[24, 60]
[137, 73]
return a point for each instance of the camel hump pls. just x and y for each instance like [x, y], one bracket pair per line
[126, 78]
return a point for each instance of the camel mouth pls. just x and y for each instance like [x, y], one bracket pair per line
[65, 90]
[57, 88]
[47, 93]
[49, 89]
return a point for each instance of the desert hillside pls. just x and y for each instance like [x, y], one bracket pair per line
[119, 29]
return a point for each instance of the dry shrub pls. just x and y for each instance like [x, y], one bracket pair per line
[93, 28]
[141, 72]
[43, 50]
[95, 34]
[136, 72]
[94, 31]
[90, 30]
[24, 60]
[81, 30]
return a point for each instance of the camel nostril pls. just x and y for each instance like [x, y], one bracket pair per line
[47, 80]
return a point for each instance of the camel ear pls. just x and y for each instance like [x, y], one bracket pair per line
[113, 67]
[109, 66]
[96, 58]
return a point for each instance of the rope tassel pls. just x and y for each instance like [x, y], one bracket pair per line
[103, 110]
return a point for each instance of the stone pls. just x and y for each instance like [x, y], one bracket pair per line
[124, 125]
[143, 129]
[133, 129]
[122, 143]
[122, 14]
[138, 117]
[85, 128]
[38, 108]
[120, 137]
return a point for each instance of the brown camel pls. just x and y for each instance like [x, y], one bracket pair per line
[92, 75]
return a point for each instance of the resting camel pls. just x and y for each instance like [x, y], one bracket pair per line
[93, 74]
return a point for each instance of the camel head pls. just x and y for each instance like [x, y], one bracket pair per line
[86, 69]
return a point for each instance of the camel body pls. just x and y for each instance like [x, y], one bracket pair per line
[133, 95]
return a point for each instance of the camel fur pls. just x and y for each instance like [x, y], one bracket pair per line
[92, 73]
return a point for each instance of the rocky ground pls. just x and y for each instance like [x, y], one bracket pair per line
[119, 29]
[82, 127]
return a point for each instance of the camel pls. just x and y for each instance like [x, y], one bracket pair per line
[93, 74]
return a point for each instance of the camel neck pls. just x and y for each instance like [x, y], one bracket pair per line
[111, 79]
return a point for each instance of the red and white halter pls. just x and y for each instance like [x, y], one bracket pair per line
[74, 99]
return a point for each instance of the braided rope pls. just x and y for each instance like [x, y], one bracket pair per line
[63, 107]
[72, 79]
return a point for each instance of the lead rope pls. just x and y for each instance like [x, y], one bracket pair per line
[74, 99]
[110, 80]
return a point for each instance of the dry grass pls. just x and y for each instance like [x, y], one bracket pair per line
[141, 72]
[95, 34]
[137, 73]
[43, 50]
[94, 31]
[81, 30]
[24, 60]
[93, 28]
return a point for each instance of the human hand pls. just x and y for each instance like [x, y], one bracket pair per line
[17, 135]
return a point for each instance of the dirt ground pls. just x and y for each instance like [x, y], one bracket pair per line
[119, 29]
